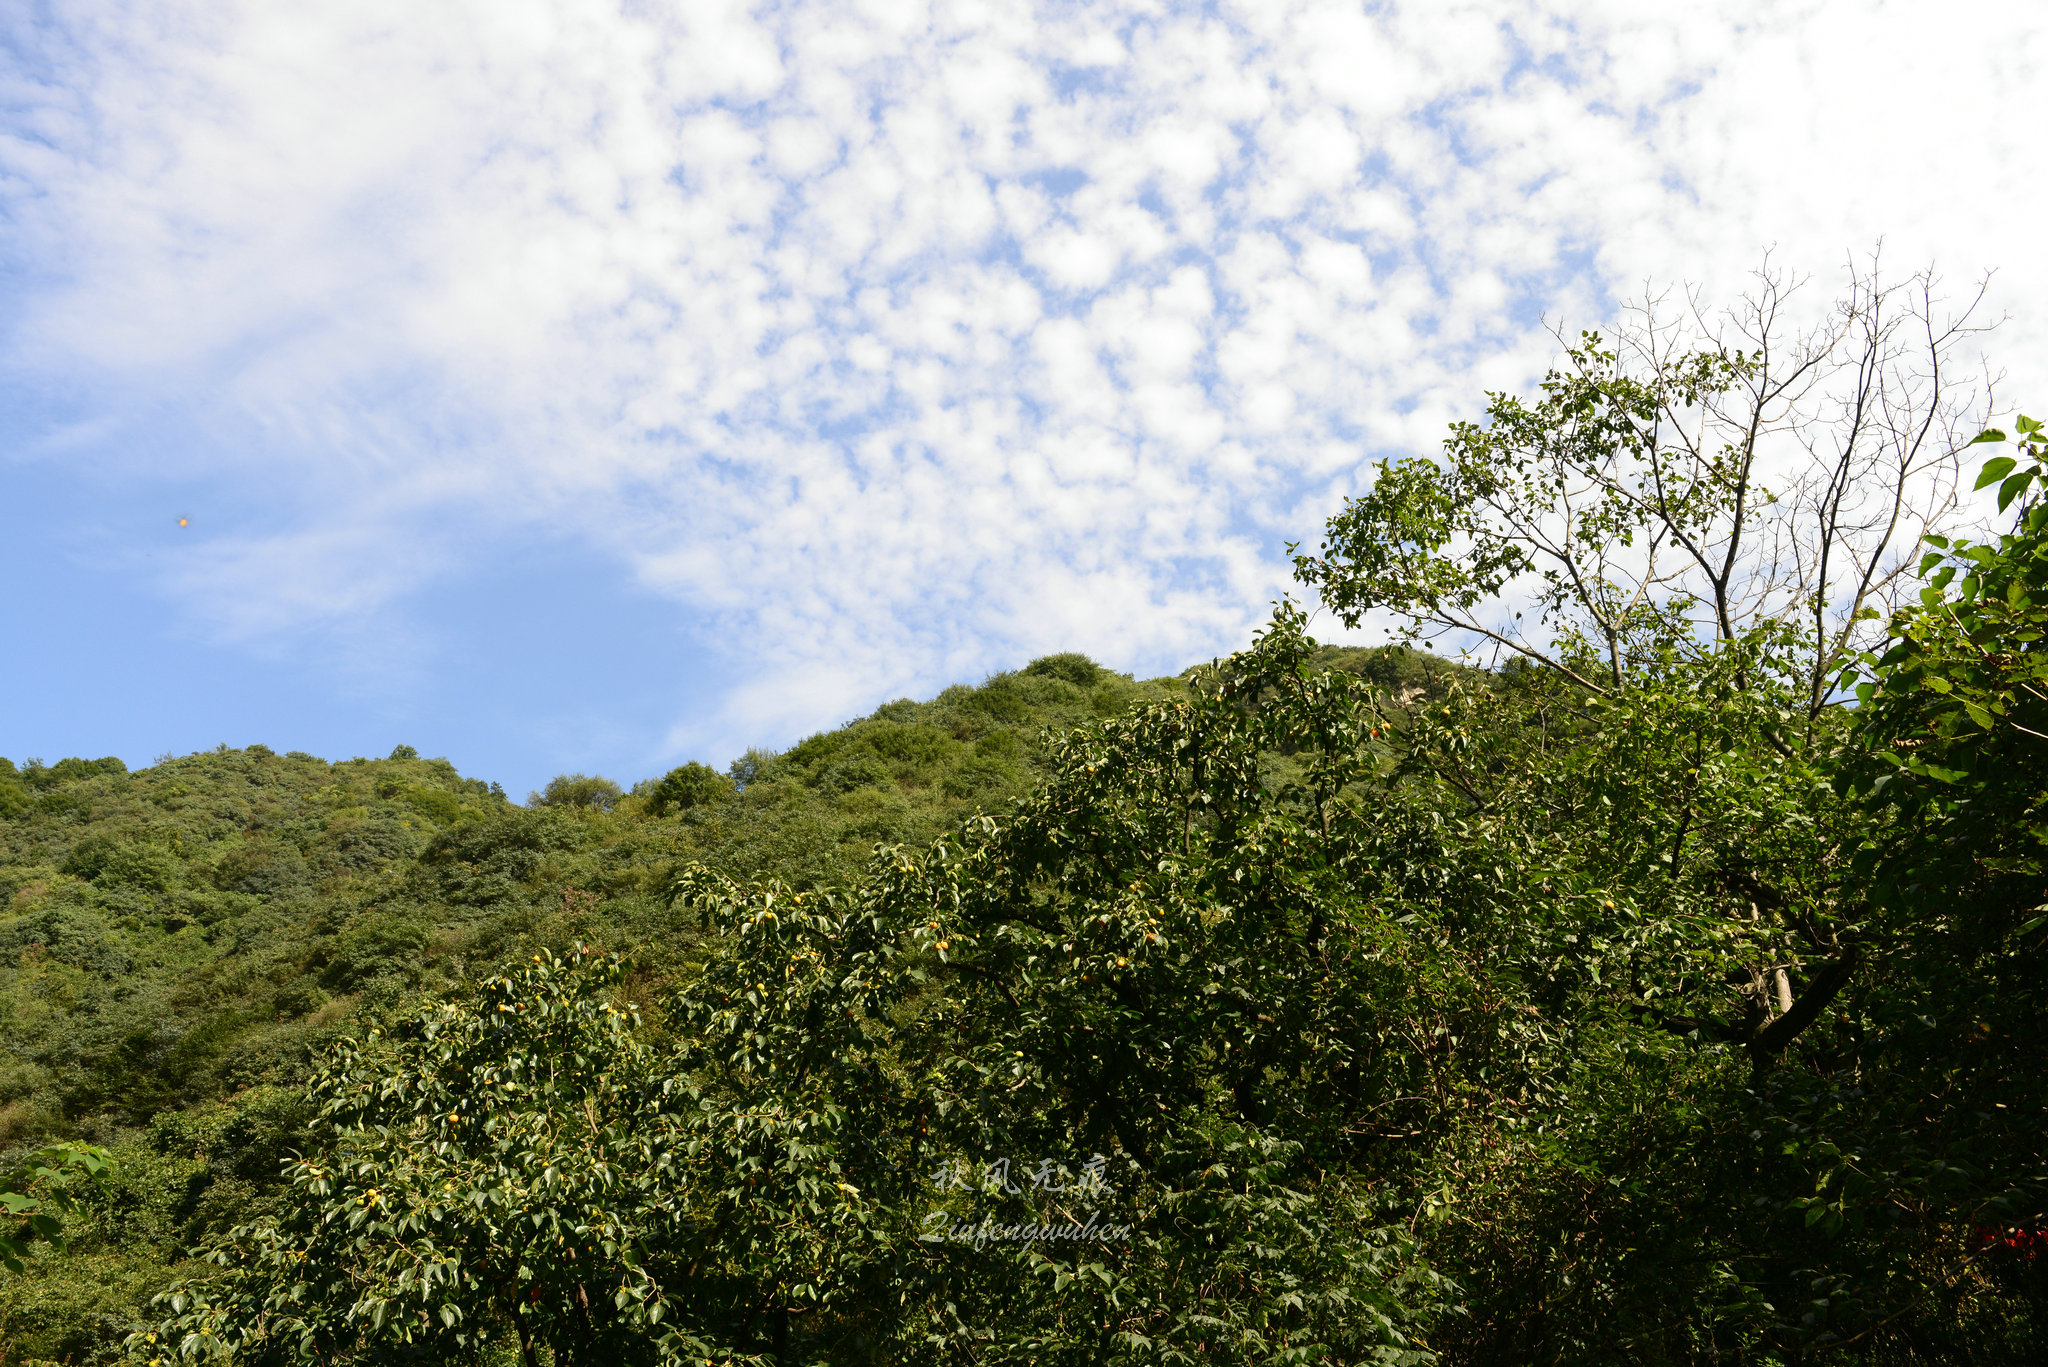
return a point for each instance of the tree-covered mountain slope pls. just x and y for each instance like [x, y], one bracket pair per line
[176, 942]
[182, 931]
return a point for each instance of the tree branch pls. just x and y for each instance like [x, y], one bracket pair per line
[1767, 1043]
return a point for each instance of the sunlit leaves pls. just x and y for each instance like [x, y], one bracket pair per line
[39, 1191]
[496, 1171]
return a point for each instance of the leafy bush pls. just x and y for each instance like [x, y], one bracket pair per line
[262, 868]
[112, 862]
[578, 790]
[687, 787]
[68, 929]
[38, 1192]
[435, 804]
[507, 1172]
[73, 770]
[366, 845]
[1077, 670]
[855, 771]
[374, 946]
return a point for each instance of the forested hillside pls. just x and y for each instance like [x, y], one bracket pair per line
[179, 941]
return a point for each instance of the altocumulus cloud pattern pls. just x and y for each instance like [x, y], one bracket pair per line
[917, 338]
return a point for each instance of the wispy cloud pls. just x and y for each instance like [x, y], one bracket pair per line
[903, 340]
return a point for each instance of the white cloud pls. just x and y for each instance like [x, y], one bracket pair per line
[911, 340]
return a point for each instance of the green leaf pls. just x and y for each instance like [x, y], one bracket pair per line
[1988, 434]
[1995, 469]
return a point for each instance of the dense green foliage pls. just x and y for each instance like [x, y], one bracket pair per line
[180, 942]
[37, 1195]
[1673, 994]
[760, 1182]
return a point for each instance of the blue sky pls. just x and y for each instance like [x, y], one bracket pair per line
[584, 386]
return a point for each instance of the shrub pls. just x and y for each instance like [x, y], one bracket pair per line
[117, 863]
[577, 790]
[435, 804]
[262, 868]
[1068, 666]
[688, 786]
